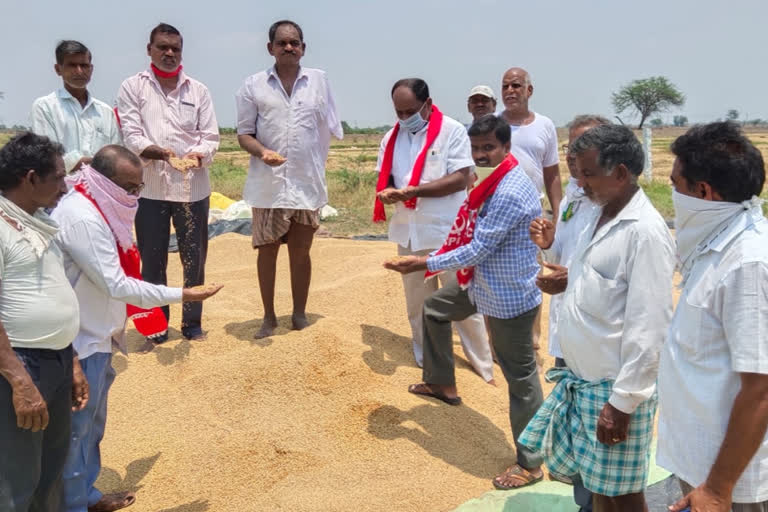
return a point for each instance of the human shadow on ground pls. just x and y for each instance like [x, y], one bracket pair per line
[245, 331]
[194, 506]
[460, 436]
[173, 351]
[134, 474]
[389, 351]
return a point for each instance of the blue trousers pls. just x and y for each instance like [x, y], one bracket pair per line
[84, 459]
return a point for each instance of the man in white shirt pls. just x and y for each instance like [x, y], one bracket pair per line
[42, 381]
[535, 136]
[71, 116]
[95, 220]
[558, 239]
[424, 166]
[598, 421]
[285, 118]
[713, 377]
[164, 113]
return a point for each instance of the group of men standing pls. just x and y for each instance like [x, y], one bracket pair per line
[73, 235]
[611, 260]
[610, 254]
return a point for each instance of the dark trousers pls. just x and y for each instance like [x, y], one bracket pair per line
[512, 340]
[153, 232]
[31, 463]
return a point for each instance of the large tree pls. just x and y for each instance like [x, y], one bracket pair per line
[647, 96]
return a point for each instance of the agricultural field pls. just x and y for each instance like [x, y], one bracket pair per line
[352, 178]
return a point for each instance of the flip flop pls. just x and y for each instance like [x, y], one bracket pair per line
[519, 473]
[423, 390]
[112, 502]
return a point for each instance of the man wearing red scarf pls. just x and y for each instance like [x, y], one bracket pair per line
[102, 263]
[495, 261]
[424, 167]
[165, 113]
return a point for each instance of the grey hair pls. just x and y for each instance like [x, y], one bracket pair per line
[615, 145]
[587, 120]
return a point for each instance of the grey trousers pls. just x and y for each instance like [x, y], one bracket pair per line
[31, 463]
[735, 507]
[512, 341]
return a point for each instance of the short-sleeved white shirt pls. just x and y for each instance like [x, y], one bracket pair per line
[38, 307]
[427, 226]
[299, 127]
[538, 141]
[719, 330]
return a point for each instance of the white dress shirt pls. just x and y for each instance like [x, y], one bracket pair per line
[719, 330]
[298, 127]
[81, 130]
[37, 305]
[183, 121]
[567, 236]
[92, 265]
[429, 223]
[616, 309]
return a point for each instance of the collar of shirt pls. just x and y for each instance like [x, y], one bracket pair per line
[147, 73]
[272, 75]
[66, 95]
[722, 239]
[631, 212]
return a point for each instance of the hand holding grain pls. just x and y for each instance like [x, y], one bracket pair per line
[200, 293]
[272, 158]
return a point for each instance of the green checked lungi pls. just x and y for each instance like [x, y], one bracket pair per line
[564, 433]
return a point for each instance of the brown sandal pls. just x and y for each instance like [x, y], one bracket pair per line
[518, 473]
[112, 502]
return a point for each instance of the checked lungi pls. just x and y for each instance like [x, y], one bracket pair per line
[564, 433]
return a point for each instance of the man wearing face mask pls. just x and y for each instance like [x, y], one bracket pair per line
[713, 377]
[598, 421]
[426, 160]
[164, 113]
[71, 116]
[101, 262]
[494, 267]
[285, 118]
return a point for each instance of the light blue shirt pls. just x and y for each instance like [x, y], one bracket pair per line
[81, 130]
[504, 257]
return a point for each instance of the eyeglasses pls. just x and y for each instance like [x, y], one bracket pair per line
[135, 190]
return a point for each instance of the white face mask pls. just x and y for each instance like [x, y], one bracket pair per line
[415, 122]
[696, 219]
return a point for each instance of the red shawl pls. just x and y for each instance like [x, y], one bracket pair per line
[433, 130]
[147, 321]
[464, 226]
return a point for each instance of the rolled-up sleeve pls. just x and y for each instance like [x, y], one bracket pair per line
[247, 110]
[650, 268]
[131, 123]
[744, 302]
[459, 151]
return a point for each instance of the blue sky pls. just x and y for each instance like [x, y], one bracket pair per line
[577, 52]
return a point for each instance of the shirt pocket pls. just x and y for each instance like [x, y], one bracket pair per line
[600, 296]
[434, 166]
[188, 115]
[698, 328]
[309, 113]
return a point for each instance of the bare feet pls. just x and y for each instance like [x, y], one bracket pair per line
[268, 326]
[299, 321]
[492, 382]
[111, 502]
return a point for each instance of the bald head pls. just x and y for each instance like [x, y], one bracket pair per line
[121, 166]
[516, 88]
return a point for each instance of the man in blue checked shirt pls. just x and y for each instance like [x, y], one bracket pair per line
[502, 286]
